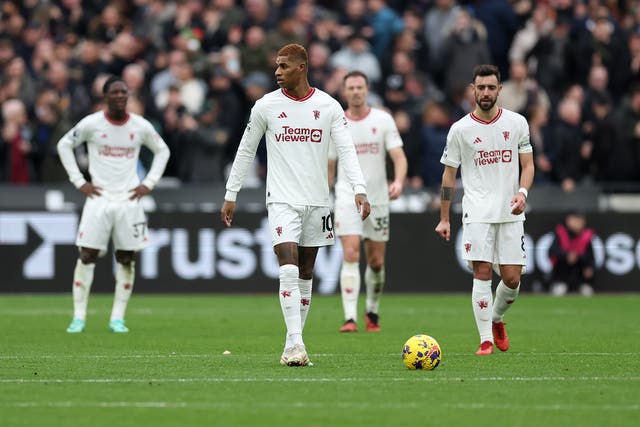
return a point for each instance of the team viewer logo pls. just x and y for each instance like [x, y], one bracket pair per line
[291, 134]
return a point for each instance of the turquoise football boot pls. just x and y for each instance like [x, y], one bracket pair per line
[118, 326]
[76, 326]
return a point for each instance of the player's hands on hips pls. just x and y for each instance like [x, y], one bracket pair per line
[364, 208]
[90, 190]
[395, 190]
[226, 213]
[444, 230]
[139, 191]
[518, 203]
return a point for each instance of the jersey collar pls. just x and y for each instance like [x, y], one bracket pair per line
[116, 123]
[304, 98]
[484, 122]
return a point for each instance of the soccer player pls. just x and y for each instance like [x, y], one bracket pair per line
[374, 134]
[489, 145]
[112, 209]
[299, 121]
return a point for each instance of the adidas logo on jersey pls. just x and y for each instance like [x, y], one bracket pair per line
[282, 115]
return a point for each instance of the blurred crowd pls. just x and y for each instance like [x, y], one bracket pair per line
[195, 68]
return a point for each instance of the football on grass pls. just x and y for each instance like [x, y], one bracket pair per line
[421, 352]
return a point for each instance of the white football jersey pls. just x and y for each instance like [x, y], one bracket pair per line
[113, 153]
[298, 131]
[488, 156]
[373, 135]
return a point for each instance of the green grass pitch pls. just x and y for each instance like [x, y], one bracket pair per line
[573, 361]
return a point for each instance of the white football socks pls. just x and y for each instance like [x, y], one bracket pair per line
[374, 281]
[350, 289]
[305, 286]
[481, 300]
[82, 280]
[505, 296]
[289, 295]
[125, 275]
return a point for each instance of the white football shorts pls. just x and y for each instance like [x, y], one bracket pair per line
[348, 222]
[499, 244]
[308, 226]
[123, 221]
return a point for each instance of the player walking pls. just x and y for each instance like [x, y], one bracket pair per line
[374, 134]
[298, 121]
[487, 145]
[112, 209]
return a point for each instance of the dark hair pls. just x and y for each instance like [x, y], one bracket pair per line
[356, 73]
[111, 80]
[295, 51]
[485, 70]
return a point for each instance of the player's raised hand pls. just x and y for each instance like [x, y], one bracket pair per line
[364, 208]
[444, 230]
[90, 190]
[139, 191]
[226, 213]
[518, 203]
[395, 190]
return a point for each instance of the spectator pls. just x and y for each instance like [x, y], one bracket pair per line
[521, 92]
[572, 257]
[255, 53]
[539, 135]
[385, 24]
[435, 127]
[16, 142]
[501, 23]
[356, 56]
[439, 22]
[463, 49]
[570, 148]
[626, 152]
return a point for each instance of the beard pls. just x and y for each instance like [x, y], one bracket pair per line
[484, 107]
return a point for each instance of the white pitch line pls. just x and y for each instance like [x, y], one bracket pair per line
[312, 405]
[219, 354]
[302, 380]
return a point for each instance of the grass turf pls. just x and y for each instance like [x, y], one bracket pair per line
[573, 361]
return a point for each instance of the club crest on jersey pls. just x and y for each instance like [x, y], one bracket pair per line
[279, 231]
[316, 114]
[467, 247]
[131, 136]
[374, 130]
[506, 135]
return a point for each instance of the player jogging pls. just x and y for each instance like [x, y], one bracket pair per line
[489, 145]
[298, 121]
[374, 134]
[112, 209]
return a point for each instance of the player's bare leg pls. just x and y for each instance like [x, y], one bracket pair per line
[506, 293]
[374, 279]
[350, 281]
[482, 302]
[82, 281]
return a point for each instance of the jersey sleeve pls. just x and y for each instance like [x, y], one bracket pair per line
[524, 143]
[333, 154]
[345, 150]
[160, 152]
[73, 138]
[251, 137]
[451, 154]
[392, 137]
